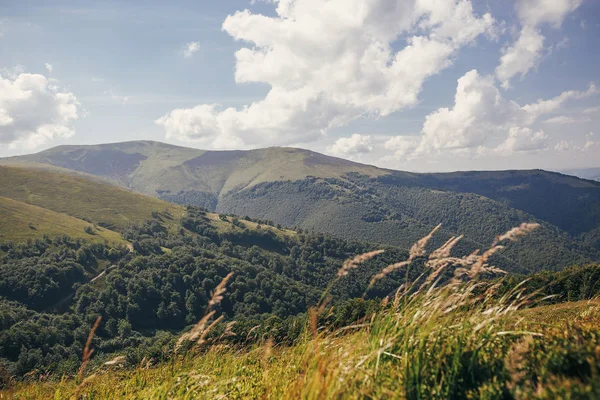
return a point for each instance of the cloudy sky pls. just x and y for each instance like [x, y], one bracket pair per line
[422, 85]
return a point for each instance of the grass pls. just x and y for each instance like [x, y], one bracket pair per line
[382, 360]
[78, 197]
[20, 221]
[461, 340]
[36, 202]
[164, 168]
[225, 226]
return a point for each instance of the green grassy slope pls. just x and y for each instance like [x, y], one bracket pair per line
[388, 357]
[399, 215]
[350, 199]
[103, 204]
[20, 221]
[154, 168]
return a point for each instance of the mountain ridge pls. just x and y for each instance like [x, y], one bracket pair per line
[304, 189]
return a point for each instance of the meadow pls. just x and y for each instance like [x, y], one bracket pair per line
[449, 334]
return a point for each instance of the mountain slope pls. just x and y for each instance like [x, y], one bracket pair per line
[586, 173]
[106, 205]
[301, 188]
[20, 221]
[158, 168]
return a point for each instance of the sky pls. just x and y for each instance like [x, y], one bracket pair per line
[419, 85]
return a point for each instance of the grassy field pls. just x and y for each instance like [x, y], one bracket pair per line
[96, 202]
[224, 226]
[414, 350]
[36, 202]
[20, 222]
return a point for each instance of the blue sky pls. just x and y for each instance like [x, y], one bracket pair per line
[334, 76]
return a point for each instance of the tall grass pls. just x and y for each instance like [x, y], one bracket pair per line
[449, 334]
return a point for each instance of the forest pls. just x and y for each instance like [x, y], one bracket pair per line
[54, 289]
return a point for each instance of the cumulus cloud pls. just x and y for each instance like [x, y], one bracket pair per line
[525, 54]
[328, 63]
[351, 147]
[565, 145]
[566, 119]
[523, 139]
[592, 111]
[190, 49]
[48, 67]
[32, 111]
[402, 146]
[483, 121]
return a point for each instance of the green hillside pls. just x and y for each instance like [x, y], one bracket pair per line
[20, 221]
[367, 209]
[158, 168]
[106, 205]
[489, 346]
[300, 188]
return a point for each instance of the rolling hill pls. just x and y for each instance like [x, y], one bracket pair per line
[21, 221]
[104, 204]
[304, 189]
[586, 173]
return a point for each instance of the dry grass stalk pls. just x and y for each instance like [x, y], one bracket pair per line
[82, 385]
[354, 262]
[515, 361]
[417, 250]
[200, 330]
[446, 248]
[228, 332]
[195, 333]
[388, 270]
[87, 352]
[220, 290]
[515, 233]
[471, 266]
[116, 361]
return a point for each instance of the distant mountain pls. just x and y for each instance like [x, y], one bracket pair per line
[585, 173]
[296, 187]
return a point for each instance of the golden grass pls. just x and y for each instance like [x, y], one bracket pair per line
[20, 221]
[458, 340]
[81, 198]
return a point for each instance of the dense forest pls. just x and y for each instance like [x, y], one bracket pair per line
[388, 211]
[54, 289]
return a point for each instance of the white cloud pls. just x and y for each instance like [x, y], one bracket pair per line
[535, 110]
[351, 147]
[48, 67]
[402, 147]
[483, 121]
[564, 145]
[526, 52]
[33, 112]
[190, 49]
[592, 111]
[566, 119]
[522, 139]
[328, 63]
[522, 56]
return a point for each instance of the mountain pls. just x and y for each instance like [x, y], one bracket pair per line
[308, 190]
[104, 204]
[21, 222]
[585, 173]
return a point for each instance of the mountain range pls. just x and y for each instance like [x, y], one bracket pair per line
[311, 191]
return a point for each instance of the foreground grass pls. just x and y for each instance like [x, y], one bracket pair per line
[554, 355]
[464, 340]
